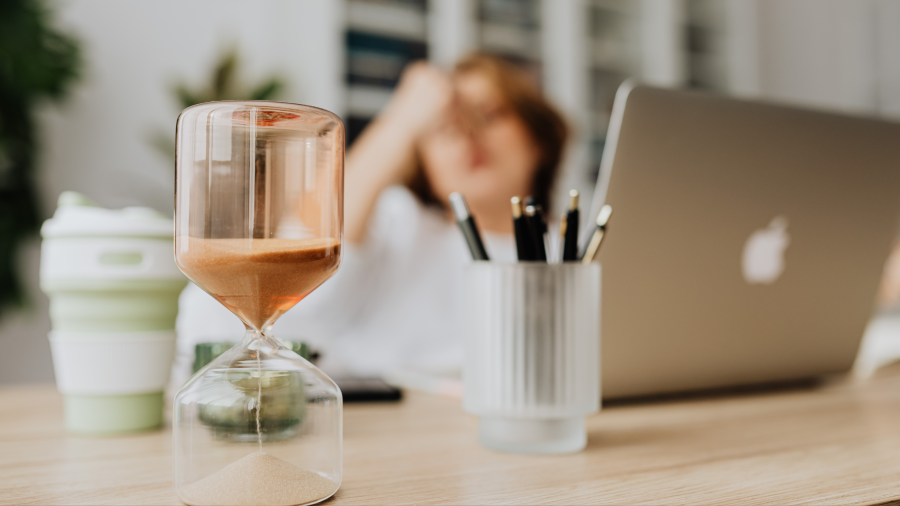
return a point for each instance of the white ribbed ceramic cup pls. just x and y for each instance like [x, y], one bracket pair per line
[532, 363]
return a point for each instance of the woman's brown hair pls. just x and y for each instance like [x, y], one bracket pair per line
[545, 125]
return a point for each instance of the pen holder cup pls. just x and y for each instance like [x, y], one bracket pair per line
[532, 363]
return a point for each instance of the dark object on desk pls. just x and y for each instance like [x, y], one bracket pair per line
[231, 420]
[355, 389]
[570, 229]
[726, 392]
[467, 225]
[524, 245]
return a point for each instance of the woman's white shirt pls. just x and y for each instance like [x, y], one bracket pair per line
[394, 303]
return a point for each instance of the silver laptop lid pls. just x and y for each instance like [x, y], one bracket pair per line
[747, 240]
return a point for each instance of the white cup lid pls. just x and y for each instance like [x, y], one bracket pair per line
[77, 216]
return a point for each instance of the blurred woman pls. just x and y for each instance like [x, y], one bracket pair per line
[483, 131]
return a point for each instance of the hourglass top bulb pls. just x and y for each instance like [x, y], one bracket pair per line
[258, 201]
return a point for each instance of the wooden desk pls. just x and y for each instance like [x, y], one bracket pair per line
[836, 444]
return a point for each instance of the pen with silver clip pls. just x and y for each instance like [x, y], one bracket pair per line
[597, 238]
[537, 227]
[524, 245]
[467, 225]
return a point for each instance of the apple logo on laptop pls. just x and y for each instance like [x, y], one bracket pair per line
[763, 260]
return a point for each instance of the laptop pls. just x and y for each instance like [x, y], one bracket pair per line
[747, 240]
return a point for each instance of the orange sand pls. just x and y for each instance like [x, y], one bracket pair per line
[259, 279]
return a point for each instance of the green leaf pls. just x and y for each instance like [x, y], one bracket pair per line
[268, 90]
[223, 85]
[224, 75]
[37, 62]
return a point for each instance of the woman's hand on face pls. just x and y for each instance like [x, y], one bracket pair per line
[421, 99]
[385, 152]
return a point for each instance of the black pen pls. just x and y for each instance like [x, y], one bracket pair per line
[599, 232]
[467, 225]
[536, 228]
[541, 222]
[570, 229]
[524, 246]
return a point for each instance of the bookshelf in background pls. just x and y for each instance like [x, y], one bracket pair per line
[511, 29]
[614, 54]
[705, 44]
[382, 37]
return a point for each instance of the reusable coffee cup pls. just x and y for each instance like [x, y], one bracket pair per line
[532, 354]
[113, 288]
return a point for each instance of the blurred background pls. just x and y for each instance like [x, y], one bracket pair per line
[90, 89]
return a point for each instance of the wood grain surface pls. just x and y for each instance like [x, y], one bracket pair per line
[838, 443]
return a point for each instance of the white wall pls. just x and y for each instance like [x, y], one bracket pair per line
[97, 143]
[451, 31]
[662, 42]
[565, 82]
[887, 14]
[835, 54]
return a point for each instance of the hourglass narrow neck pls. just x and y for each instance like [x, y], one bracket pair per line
[264, 335]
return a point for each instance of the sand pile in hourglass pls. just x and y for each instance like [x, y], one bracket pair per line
[258, 280]
[259, 478]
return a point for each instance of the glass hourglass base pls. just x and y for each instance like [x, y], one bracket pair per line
[258, 425]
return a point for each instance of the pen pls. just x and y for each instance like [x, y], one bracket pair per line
[569, 229]
[597, 238]
[524, 247]
[467, 225]
[541, 222]
[536, 229]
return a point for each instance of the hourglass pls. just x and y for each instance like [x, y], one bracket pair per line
[258, 223]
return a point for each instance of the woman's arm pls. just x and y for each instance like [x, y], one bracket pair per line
[384, 154]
